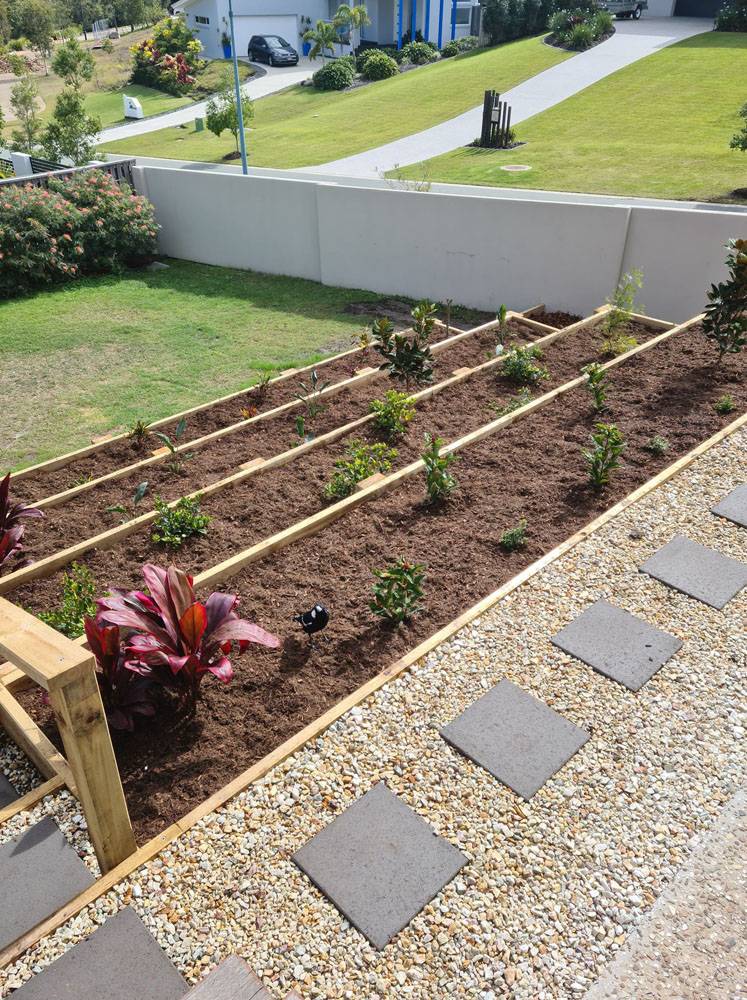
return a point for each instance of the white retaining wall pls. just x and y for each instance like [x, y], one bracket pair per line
[475, 248]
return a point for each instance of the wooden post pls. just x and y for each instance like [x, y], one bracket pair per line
[81, 720]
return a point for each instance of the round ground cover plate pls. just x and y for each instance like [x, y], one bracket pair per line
[515, 167]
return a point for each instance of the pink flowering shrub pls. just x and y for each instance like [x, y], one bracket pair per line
[84, 224]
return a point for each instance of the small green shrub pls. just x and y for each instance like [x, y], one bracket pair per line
[522, 397]
[725, 321]
[725, 404]
[622, 303]
[520, 366]
[604, 455]
[602, 23]
[419, 53]
[407, 359]
[580, 37]
[732, 16]
[458, 45]
[658, 445]
[138, 433]
[424, 318]
[393, 413]
[78, 602]
[398, 591]
[515, 538]
[596, 384]
[335, 75]
[617, 344]
[439, 482]
[362, 460]
[379, 66]
[174, 525]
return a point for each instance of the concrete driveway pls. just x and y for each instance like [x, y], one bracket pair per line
[633, 40]
[269, 80]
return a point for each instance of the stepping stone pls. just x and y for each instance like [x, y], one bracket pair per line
[697, 571]
[379, 863]
[39, 873]
[8, 793]
[232, 980]
[734, 506]
[617, 644]
[119, 961]
[520, 740]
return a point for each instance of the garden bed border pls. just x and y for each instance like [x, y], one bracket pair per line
[314, 729]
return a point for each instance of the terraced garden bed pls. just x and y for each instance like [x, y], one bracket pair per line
[530, 467]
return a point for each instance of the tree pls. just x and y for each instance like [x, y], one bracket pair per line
[739, 139]
[33, 19]
[73, 63]
[23, 102]
[354, 19]
[324, 36]
[221, 114]
[72, 133]
[4, 21]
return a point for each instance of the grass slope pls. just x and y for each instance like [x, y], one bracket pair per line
[99, 354]
[301, 126]
[659, 128]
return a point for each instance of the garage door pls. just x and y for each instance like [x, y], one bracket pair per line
[285, 25]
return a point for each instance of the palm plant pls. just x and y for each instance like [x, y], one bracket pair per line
[323, 36]
[354, 19]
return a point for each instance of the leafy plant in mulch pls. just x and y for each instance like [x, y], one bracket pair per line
[406, 358]
[11, 529]
[138, 433]
[725, 404]
[424, 318]
[174, 639]
[177, 459]
[398, 591]
[501, 331]
[607, 445]
[174, 525]
[622, 303]
[658, 445]
[393, 413]
[362, 460]
[262, 386]
[617, 344]
[580, 28]
[125, 693]
[596, 385]
[439, 482]
[725, 321]
[515, 538]
[78, 602]
[137, 496]
[310, 395]
[520, 366]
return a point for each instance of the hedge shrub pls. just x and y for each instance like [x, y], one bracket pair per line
[335, 75]
[457, 45]
[85, 224]
[419, 53]
[505, 20]
[732, 17]
[379, 66]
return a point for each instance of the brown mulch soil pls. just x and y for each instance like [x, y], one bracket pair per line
[272, 501]
[86, 514]
[556, 318]
[125, 452]
[532, 470]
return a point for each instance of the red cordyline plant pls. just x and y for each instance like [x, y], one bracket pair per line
[169, 631]
[124, 692]
[11, 530]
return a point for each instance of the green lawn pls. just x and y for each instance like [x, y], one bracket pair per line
[97, 355]
[302, 126]
[659, 128]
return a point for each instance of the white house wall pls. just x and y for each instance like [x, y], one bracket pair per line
[209, 35]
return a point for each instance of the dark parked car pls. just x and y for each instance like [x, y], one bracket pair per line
[273, 50]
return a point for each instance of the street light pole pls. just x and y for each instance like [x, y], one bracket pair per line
[237, 85]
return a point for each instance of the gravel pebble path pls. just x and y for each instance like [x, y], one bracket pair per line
[17, 767]
[554, 886]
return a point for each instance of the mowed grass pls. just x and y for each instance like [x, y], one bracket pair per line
[302, 126]
[96, 356]
[658, 128]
